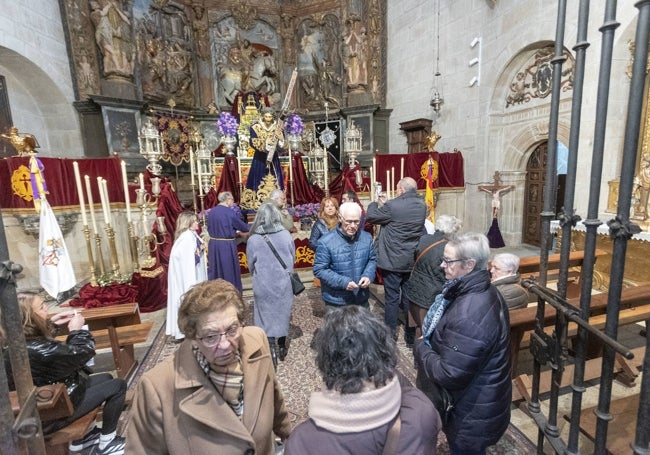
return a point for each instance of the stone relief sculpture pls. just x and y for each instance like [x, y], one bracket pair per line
[113, 37]
[319, 63]
[533, 79]
[245, 60]
[165, 53]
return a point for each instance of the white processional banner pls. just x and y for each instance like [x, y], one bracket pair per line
[54, 264]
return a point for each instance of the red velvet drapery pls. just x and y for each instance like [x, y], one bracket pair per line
[59, 175]
[450, 168]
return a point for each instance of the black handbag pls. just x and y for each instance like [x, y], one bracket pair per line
[296, 285]
[442, 400]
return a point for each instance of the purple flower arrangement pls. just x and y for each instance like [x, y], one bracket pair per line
[294, 124]
[227, 124]
[301, 211]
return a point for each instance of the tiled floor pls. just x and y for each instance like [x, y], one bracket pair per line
[628, 336]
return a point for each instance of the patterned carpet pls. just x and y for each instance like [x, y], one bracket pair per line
[299, 376]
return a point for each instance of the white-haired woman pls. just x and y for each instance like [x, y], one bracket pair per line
[466, 349]
[271, 284]
[187, 266]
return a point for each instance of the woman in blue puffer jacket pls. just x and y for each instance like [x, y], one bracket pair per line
[466, 348]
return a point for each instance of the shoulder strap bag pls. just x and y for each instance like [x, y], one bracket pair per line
[296, 285]
[427, 249]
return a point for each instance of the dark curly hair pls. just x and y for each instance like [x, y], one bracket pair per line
[207, 297]
[354, 347]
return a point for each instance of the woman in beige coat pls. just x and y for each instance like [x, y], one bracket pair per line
[219, 393]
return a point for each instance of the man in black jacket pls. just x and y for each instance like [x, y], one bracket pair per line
[401, 220]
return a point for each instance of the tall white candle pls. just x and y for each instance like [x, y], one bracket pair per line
[80, 193]
[102, 199]
[392, 182]
[372, 182]
[239, 170]
[141, 178]
[91, 205]
[108, 202]
[401, 168]
[127, 197]
[192, 165]
[387, 184]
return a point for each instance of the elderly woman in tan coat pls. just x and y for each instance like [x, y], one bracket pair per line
[218, 393]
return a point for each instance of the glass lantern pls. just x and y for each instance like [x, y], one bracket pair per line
[353, 140]
[151, 145]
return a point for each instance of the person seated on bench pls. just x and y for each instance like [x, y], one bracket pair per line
[505, 278]
[52, 361]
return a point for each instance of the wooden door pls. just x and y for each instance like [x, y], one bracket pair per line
[534, 195]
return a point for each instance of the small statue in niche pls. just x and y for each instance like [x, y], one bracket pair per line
[642, 189]
[356, 53]
[112, 34]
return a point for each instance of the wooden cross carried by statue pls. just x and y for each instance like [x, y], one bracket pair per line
[495, 190]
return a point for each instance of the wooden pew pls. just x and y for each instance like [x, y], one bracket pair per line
[119, 328]
[529, 268]
[522, 320]
[634, 308]
[53, 402]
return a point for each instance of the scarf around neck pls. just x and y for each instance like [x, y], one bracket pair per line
[355, 412]
[436, 310]
[228, 380]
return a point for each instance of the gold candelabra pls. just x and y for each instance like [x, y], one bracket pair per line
[145, 242]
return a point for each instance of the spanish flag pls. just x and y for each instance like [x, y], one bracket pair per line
[428, 195]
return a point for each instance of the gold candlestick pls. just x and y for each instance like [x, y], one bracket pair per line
[100, 256]
[91, 261]
[133, 245]
[115, 266]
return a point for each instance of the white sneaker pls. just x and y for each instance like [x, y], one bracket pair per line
[115, 447]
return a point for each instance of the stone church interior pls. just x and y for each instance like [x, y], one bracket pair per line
[526, 120]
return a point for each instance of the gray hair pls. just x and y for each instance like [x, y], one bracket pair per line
[224, 196]
[348, 207]
[448, 224]
[508, 262]
[267, 220]
[407, 184]
[472, 246]
[275, 194]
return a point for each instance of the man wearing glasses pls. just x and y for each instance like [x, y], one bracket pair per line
[345, 260]
[402, 223]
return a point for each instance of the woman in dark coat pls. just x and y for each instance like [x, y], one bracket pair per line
[427, 277]
[271, 284]
[465, 348]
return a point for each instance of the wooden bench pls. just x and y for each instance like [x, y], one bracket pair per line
[621, 430]
[529, 267]
[119, 328]
[53, 402]
[634, 308]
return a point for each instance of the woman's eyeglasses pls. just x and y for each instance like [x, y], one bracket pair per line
[212, 340]
[448, 261]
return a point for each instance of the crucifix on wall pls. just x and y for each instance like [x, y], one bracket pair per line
[496, 189]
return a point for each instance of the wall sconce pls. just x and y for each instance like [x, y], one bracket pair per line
[151, 145]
